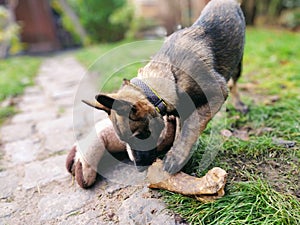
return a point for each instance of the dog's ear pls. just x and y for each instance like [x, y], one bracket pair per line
[97, 105]
[122, 107]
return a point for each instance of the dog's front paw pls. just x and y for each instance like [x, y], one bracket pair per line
[84, 174]
[172, 163]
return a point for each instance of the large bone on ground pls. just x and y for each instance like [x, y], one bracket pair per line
[205, 189]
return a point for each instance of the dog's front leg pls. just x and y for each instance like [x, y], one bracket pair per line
[192, 127]
[83, 159]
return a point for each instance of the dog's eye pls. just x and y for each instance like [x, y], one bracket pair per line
[133, 109]
[134, 117]
[132, 114]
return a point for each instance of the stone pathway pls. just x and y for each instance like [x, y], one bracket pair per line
[35, 187]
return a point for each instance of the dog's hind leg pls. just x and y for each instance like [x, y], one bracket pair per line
[238, 104]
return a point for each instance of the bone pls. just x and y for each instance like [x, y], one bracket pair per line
[205, 189]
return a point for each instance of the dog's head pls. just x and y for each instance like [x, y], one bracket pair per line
[136, 122]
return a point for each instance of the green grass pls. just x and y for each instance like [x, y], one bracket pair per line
[271, 62]
[6, 112]
[16, 74]
[113, 62]
[251, 202]
[263, 176]
[88, 56]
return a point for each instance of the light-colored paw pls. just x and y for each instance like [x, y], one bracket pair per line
[84, 174]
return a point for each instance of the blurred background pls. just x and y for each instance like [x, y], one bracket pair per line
[37, 26]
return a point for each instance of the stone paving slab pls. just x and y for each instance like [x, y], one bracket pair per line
[41, 173]
[57, 204]
[30, 117]
[9, 181]
[15, 132]
[90, 217]
[58, 134]
[20, 152]
[7, 209]
[141, 208]
[33, 107]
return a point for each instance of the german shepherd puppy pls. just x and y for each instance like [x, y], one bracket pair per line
[187, 78]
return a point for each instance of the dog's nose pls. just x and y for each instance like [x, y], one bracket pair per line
[143, 159]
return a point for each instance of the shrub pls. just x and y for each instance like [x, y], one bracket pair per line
[66, 21]
[135, 26]
[9, 34]
[290, 18]
[95, 17]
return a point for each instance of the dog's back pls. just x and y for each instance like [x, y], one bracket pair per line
[224, 26]
[215, 40]
[203, 55]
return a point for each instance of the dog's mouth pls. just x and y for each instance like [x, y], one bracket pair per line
[142, 147]
[141, 159]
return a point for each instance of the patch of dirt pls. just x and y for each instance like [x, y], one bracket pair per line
[282, 174]
[111, 200]
[281, 171]
[109, 203]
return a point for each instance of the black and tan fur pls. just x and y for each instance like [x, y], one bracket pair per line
[190, 72]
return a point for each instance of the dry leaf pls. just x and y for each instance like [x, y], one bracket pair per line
[241, 134]
[226, 133]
